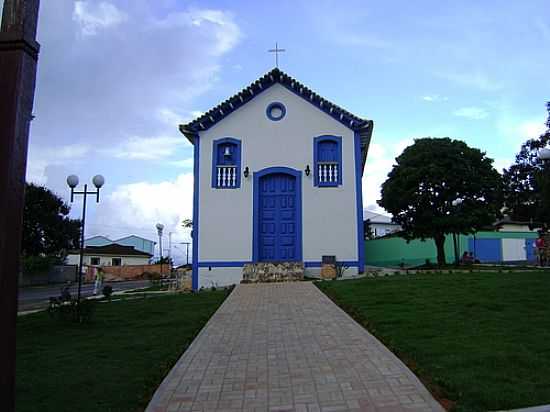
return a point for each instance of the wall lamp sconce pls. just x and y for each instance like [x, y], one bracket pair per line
[246, 171]
[308, 170]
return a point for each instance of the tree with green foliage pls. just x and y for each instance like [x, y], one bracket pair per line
[441, 186]
[47, 228]
[527, 182]
[166, 260]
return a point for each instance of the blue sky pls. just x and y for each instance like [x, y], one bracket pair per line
[117, 76]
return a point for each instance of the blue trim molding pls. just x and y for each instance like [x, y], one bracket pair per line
[316, 143]
[236, 160]
[256, 209]
[195, 240]
[275, 105]
[223, 264]
[241, 263]
[359, 203]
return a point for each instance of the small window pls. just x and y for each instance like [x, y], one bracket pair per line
[328, 160]
[95, 261]
[275, 111]
[226, 162]
[116, 261]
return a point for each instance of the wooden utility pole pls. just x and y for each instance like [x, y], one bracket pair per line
[18, 60]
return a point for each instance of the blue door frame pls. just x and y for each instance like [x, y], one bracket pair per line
[256, 253]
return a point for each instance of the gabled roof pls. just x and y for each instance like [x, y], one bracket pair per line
[134, 236]
[210, 118]
[98, 237]
[114, 249]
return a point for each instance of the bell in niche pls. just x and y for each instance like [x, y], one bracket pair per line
[227, 151]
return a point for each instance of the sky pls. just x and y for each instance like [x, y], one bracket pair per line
[116, 77]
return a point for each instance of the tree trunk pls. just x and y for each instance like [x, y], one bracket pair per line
[440, 245]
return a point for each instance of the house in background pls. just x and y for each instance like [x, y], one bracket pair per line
[137, 242]
[277, 174]
[506, 224]
[109, 255]
[380, 225]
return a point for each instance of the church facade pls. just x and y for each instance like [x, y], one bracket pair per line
[277, 178]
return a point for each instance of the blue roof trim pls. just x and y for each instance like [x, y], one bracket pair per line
[195, 239]
[213, 116]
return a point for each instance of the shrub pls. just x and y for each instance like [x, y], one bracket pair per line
[38, 264]
[71, 310]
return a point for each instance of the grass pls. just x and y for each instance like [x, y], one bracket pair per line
[113, 364]
[481, 340]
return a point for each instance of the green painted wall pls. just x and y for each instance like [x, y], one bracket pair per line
[392, 251]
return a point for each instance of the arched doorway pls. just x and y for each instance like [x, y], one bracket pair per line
[277, 215]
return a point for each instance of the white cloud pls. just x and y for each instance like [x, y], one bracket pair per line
[502, 163]
[184, 163]
[475, 79]
[531, 129]
[93, 17]
[173, 119]
[380, 161]
[137, 207]
[472, 112]
[434, 98]
[40, 158]
[216, 22]
[146, 148]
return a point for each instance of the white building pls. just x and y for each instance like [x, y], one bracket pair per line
[277, 178]
[380, 225]
[138, 242]
[109, 255]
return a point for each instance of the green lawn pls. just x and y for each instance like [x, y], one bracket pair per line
[483, 339]
[113, 364]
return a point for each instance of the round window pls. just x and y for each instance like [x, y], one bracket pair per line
[275, 111]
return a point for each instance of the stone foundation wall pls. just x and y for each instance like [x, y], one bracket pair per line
[273, 272]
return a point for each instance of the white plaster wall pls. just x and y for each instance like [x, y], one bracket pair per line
[328, 214]
[513, 250]
[514, 228]
[219, 277]
[107, 260]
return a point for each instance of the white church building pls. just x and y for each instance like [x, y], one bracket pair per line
[277, 178]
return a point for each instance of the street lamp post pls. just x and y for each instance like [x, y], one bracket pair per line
[160, 228]
[72, 181]
[186, 251]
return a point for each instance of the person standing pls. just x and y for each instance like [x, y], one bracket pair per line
[540, 245]
[98, 280]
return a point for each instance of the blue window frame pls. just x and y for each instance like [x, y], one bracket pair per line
[226, 163]
[327, 160]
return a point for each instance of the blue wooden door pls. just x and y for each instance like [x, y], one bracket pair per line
[278, 218]
[486, 250]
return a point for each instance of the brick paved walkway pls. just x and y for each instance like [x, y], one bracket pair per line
[287, 347]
